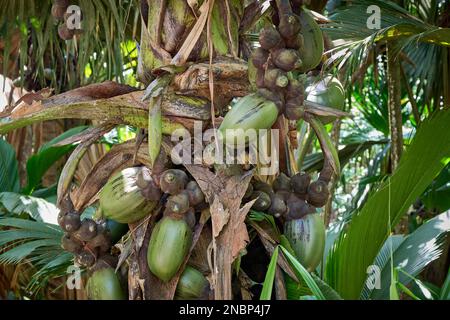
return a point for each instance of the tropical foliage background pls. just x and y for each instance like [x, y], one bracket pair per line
[390, 207]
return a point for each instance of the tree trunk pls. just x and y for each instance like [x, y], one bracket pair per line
[168, 36]
[394, 106]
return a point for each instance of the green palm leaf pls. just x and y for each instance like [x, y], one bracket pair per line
[39, 209]
[9, 174]
[423, 42]
[414, 253]
[39, 163]
[359, 245]
[38, 243]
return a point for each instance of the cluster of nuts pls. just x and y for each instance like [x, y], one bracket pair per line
[185, 197]
[290, 198]
[60, 13]
[276, 57]
[86, 239]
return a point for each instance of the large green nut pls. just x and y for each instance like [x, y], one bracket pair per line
[328, 92]
[312, 50]
[250, 112]
[169, 244]
[121, 198]
[192, 285]
[307, 238]
[104, 285]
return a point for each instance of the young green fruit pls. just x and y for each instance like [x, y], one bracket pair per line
[270, 38]
[275, 79]
[295, 89]
[62, 3]
[300, 183]
[172, 181]
[58, 12]
[121, 198]
[101, 242]
[274, 96]
[87, 230]
[70, 221]
[169, 244]
[297, 208]
[70, 245]
[318, 193]
[196, 195]
[277, 206]
[85, 259]
[282, 182]
[289, 26]
[296, 42]
[262, 186]
[307, 238]
[260, 57]
[178, 203]
[192, 285]
[287, 59]
[64, 32]
[262, 202]
[104, 284]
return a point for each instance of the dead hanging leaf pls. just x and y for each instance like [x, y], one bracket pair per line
[199, 255]
[96, 91]
[225, 194]
[191, 40]
[70, 167]
[36, 96]
[154, 129]
[320, 110]
[269, 244]
[86, 135]
[34, 102]
[327, 146]
[23, 109]
[135, 290]
[222, 217]
[280, 285]
[126, 249]
[240, 238]
[246, 284]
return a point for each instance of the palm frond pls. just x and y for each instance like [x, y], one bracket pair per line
[38, 243]
[359, 245]
[46, 60]
[39, 209]
[414, 253]
[9, 172]
[391, 244]
[354, 39]
[314, 161]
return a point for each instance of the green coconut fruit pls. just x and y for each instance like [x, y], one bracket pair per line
[169, 244]
[192, 285]
[104, 284]
[328, 92]
[312, 50]
[121, 198]
[307, 239]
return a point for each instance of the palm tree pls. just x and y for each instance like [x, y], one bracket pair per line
[191, 61]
